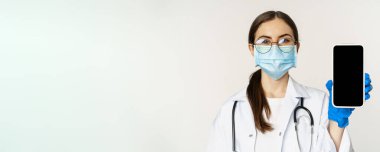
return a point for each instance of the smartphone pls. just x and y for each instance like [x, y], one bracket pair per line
[348, 76]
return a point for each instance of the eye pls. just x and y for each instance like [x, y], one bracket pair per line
[263, 41]
[285, 41]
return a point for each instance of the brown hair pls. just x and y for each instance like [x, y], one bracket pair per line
[255, 92]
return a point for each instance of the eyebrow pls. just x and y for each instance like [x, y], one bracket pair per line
[278, 36]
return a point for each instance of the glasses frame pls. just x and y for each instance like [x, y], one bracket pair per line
[294, 43]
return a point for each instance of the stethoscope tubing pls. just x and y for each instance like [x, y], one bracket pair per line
[301, 106]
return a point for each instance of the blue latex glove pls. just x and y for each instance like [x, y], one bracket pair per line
[340, 115]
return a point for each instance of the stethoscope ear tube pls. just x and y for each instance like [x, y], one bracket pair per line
[304, 108]
[233, 127]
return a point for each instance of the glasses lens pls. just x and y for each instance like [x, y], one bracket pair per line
[286, 44]
[263, 45]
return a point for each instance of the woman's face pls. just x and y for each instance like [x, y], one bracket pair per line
[273, 30]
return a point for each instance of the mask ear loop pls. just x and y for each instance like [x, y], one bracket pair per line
[295, 55]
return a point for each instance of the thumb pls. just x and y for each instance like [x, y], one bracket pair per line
[329, 84]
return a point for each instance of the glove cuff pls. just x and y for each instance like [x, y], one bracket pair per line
[342, 122]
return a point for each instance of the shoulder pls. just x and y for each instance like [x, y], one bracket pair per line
[223, 117]
[239, 96]
[226, 107]
[317, 98]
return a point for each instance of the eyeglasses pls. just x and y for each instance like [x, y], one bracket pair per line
[286, 44]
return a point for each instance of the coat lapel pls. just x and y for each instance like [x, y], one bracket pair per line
[294, 92]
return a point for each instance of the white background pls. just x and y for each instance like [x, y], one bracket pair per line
[150, 75]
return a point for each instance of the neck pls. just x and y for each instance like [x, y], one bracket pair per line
[274, 88]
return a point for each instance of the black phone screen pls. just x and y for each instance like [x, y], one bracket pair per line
[348, 75]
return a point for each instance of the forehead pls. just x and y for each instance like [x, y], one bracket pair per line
[274, 28]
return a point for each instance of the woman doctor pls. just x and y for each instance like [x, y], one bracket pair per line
[262, 120]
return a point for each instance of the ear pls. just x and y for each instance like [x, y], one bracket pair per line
[298, 46]
[251, 48]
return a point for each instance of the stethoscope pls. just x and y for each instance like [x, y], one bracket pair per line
[300, 106]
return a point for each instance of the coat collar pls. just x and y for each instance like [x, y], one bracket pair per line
[293, 90]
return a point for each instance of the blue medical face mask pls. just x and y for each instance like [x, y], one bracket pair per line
[277, 61]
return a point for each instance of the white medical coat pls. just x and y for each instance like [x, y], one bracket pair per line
[220, 136]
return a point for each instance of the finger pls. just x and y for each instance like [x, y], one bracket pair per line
[367, 96]
[329, 84]
[367, 81]
[366, 76]
[368, 88]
